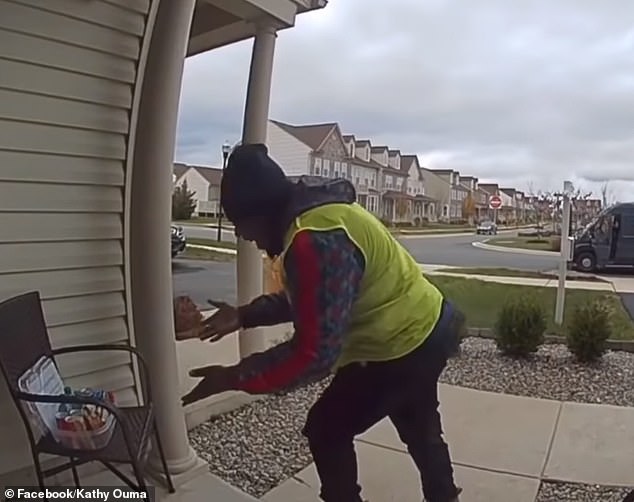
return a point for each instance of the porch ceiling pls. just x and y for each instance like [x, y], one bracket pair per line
[222, 22]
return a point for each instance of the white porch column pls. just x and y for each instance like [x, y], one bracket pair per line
[249, 263]
[148, 233]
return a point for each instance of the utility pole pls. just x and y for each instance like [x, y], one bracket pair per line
[564, 252]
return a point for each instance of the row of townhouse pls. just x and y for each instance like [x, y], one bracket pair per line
[390, 184]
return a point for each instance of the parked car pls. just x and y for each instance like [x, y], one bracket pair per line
[487, 228]
[179, 240]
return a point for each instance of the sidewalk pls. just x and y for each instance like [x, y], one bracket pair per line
[615, 284]
[502, 447]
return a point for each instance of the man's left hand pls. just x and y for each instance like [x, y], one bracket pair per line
[215, 380]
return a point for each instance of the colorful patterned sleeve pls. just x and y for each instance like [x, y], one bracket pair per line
[324, 271]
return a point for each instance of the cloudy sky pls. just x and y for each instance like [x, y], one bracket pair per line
[529, 92]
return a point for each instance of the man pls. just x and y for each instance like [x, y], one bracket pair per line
[360, 307]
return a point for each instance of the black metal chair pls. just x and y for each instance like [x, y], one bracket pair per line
[24, 341]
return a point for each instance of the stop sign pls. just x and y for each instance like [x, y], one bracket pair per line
[495, 202]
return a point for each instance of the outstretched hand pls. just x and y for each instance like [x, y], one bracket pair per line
[215, 379]
[224, 321]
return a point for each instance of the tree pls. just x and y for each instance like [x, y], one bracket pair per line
[402, 208]
[469, 207]
[183, 202]
[607, 197]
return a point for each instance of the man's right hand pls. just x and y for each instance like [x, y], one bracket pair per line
[221, 323]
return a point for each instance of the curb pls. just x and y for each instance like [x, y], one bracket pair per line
[501, 249]
[617, 345]
[211, 248]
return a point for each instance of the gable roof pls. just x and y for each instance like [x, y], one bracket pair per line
[212, 174]
[407, 161]
[312, 135]
[180, 169]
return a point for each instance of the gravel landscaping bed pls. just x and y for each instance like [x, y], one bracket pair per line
[551, 373]
[260, 445]
[257, 447]
[569, 492]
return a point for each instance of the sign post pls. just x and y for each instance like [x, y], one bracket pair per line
[564, 253]
[495, 202]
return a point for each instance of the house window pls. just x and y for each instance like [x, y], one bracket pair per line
[372, 180]
[399, 183]
[336, 169]
[372, 204]
[388, 181]
[317, 167]
[344, 170]
[326, 171]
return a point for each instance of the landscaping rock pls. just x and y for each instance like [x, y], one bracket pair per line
[572, 492]
[257, 447]
[551, 373]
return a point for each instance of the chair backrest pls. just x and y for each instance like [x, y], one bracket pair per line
[23, 336]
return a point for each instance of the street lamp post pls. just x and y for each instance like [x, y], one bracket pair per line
[226, 148]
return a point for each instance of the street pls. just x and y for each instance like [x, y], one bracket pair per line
[203, 280]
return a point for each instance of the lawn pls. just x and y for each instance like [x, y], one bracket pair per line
[535, 243]
[481, 301]
[205, 254]
[513, 272]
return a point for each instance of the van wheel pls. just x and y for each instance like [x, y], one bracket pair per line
[586, 262]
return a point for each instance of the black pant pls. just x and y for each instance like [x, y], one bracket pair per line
[406, 391]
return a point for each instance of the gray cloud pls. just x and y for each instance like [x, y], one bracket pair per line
[515, 92]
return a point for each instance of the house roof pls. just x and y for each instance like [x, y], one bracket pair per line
[360, 162]
[489, 188]
[362, 142]
[379, 149]
[312, 135]
[179, 169]
[407, 161]
[212, 174]
[348, 137]
[394, 194]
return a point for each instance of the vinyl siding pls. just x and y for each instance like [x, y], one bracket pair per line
[197, 184]
[290, 153]
[68, 71]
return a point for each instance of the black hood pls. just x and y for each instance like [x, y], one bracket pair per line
[310, 192]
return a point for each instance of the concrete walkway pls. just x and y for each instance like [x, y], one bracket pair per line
[502, 447]
[614, 284]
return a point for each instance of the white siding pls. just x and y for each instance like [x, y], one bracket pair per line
[68, 71]
[290, 153]
[195, 183]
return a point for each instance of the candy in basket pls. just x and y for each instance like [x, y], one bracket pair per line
[84, 427]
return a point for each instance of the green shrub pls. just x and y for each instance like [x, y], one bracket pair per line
[588, 330]
[520, 327]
